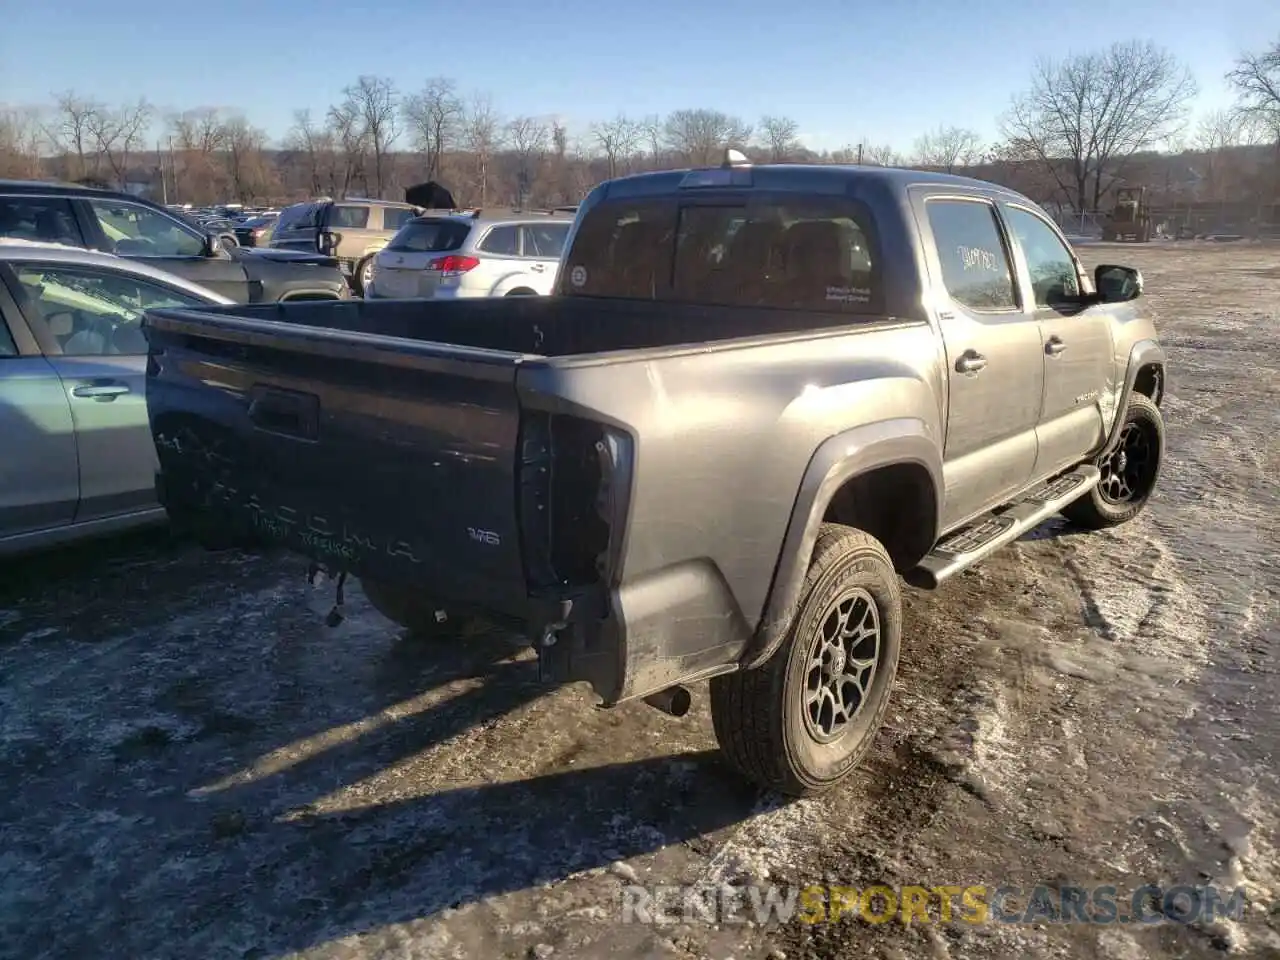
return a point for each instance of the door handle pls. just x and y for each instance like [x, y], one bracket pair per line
[1055, 346]
[538, 268]
[103, 391]
[970, 362]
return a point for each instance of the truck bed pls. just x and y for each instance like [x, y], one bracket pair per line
[537, 326]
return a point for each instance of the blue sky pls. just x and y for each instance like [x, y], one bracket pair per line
[844, 69]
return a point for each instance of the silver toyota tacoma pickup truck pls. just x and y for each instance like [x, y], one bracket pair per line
[761, 398]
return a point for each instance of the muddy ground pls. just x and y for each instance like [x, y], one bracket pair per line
[193, 765]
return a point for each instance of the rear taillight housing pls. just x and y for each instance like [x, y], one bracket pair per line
[453, 265]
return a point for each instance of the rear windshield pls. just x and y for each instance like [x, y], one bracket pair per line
[429, 236]
[808, 254]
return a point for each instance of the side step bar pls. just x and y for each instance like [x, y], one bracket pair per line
[990, 532]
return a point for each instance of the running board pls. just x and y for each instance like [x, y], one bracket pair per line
[1001, 526]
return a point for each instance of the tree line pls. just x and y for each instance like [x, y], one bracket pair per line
[1084, 124]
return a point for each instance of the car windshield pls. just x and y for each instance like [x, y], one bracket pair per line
[430, 236]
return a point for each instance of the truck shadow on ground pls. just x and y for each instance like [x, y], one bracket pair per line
[248, 784]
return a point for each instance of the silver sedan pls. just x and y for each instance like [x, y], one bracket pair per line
[76, 456]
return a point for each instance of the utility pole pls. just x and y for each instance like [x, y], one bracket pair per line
[164, 177]
[859, 154]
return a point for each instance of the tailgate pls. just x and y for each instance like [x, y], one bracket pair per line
[389, 458]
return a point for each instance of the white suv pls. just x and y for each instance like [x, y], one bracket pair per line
[479, 254]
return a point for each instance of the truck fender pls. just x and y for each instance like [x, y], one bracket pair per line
[1143, 353]
[906, 440]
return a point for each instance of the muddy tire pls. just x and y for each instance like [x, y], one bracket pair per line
[415, 613]
[1129, 473]
[800, 722]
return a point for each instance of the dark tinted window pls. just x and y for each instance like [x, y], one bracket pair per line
[429, 236]
[1053, 271]
[350, 218]
[545, 239]
[798, 254]
[39, 218]
[975, 264]
[502, 241]
[299, 215]
[7, 347]
[393, 218]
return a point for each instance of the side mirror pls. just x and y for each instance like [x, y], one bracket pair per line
[228, 241]
[1117, 284]
[328, 242]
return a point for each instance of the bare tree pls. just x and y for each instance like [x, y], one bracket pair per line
[1085, 116]
[434, 117]
[22, 138]
[779, 137]
[120, 134]
[316, 145]
[653, 131]
[527, 138]
[1256, 78]
[199, 136]
[250, 174]
[70, 131]
[947, 148]
[352, 142]
[700, 137]
[482, 137]
[375, 106]
[617, 139]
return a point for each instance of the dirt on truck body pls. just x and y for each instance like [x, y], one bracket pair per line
[761, 396]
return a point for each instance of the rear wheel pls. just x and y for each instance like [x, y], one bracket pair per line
[802, 721]
[522, 292]
[363, 275]
[1129, 472]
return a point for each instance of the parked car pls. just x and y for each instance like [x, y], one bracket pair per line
[119, 223]
[255, 231]
[759, 397]
[78, 456]
[485, 254]
[351, 230]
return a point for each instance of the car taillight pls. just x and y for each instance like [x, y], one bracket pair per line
[453, 265]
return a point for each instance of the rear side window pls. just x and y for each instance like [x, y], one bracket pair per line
[349, 218]
[299, 215]
[975, 263]
[502, 242]
[47, 219]
[429, 236]
[393, 218]
[544, 239]
[806, 254]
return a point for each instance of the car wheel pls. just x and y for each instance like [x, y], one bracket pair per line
[1129, 473]
[522, 292]
[363, 275]
[803, 720]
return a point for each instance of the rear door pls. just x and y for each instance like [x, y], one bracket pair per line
[995, 373]
[89, 320]
[39, 480]
[542, 244]
[139, 232]
[1076, 343]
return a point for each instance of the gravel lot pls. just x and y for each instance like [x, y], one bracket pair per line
[195, 766]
